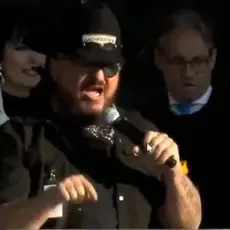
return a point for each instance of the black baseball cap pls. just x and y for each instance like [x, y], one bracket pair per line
[91, 34]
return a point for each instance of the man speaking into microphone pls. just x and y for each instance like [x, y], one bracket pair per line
[86, 172]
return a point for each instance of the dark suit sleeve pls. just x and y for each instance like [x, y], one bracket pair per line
[14, 178]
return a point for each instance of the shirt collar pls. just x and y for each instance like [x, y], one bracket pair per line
[202, 100]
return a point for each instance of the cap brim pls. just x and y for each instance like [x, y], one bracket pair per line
[98, 55]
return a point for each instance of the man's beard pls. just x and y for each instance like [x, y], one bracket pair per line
[80, 112]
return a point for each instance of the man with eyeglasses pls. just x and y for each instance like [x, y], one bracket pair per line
[193, 112]
[93, 175]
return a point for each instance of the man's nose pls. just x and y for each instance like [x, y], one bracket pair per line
[36, 58]
[188, 70]
[100, 76]
[32, 60]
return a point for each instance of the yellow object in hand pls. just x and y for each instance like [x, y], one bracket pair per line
[184, 167]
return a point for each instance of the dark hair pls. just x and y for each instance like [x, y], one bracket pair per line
[16, 25]
[26, 25]
[187, 19]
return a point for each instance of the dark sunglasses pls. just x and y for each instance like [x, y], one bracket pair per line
[110, 70]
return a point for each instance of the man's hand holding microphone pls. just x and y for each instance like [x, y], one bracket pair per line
[161, 149]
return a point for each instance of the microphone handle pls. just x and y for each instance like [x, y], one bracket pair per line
[137, 136]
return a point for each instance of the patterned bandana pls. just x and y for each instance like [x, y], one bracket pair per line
[102, 132]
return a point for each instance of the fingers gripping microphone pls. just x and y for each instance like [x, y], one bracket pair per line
[124, 126]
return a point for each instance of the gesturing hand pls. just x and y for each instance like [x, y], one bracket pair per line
[77, 189]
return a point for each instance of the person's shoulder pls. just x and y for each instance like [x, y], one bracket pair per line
[12, 127]
[14, 178]
[220, 98]
[137, 119]
[13, 135]
[8, 129]
[221, 93]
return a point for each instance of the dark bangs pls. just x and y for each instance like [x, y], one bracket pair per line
[18, 34]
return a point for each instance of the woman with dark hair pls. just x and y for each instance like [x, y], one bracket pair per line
[21, 65]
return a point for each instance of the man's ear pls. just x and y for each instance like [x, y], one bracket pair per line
[213, 59]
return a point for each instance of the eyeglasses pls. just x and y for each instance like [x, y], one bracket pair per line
[108, 70]
[198, 63]
[111, 70]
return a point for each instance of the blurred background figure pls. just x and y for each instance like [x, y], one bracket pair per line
[190, 110]
[20, 65]
[186, 56]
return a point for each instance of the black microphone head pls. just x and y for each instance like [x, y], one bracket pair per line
[111, 115]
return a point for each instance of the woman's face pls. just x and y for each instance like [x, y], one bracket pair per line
[19, 63]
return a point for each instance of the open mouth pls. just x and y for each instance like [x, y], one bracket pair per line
[93, 93]
[30, 72]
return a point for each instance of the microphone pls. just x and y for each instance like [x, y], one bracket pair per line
[123, 125]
